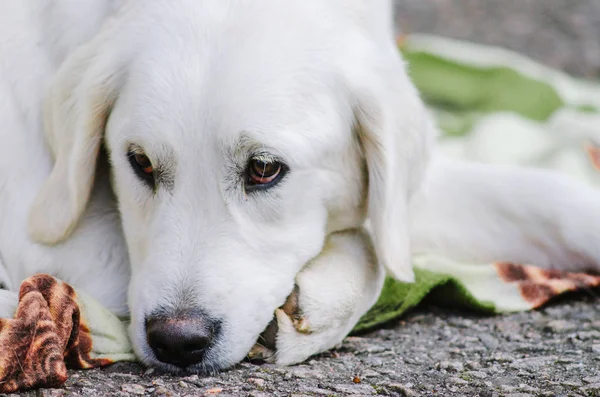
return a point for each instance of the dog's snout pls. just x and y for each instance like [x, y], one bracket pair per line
[180, 340]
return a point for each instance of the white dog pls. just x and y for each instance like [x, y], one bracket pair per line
[189, 162]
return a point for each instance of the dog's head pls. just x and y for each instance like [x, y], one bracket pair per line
[239, 137]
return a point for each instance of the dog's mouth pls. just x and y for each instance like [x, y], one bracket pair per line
[265, 348]
[263, 351]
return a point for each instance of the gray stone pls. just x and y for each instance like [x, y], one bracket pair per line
[477, 374]
[527, 388]
[133, 389]
[591, 379]
[508, 388]
[450, 366]
[373, 361]
[162, 391]
[560, 326]
[257, 381]
[403, 390]
[571, 383]
[453, 380]
[317, 391]
[369, 373]
[533, 363]
[52, 393]
[255, 393]
[502, 357]
[587, 335]
[489, 341]
[360, 389]
[306, 372]
[591, 388]
[473, 365]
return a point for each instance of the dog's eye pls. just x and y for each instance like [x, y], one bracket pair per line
[142, 166]
[143, 162]
[263, 172]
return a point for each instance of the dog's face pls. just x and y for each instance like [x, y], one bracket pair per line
[237, 137]
[227, 180]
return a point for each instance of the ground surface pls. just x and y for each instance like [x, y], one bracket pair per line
[434, 351]
[554, 351]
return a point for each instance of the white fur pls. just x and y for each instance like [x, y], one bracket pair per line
[335, 290]
[200, 85]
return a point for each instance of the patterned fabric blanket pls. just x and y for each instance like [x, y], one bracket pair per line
[55, 327]
[492, 106]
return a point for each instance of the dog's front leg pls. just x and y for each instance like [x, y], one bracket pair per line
[8, 303]
[332, 292]
[8, 298]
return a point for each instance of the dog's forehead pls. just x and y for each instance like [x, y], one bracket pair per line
[243, 76]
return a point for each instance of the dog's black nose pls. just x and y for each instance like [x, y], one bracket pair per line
[180, 340]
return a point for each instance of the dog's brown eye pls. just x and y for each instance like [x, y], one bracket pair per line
[142, 166]
[264, 172]
[143, 162]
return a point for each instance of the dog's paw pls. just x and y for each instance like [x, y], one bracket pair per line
[265, 347]
[291, 339]
[295, 343]
[292, 310]
[332, 292]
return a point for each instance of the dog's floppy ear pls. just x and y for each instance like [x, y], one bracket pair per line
[75, 113]
[395, 131]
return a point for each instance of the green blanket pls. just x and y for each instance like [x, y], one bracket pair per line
[495, 106]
